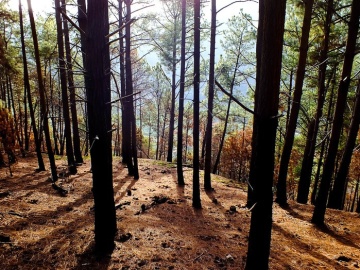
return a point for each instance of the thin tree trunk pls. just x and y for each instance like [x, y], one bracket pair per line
[173, 95]
[308, 158]
[129, 90]
[196, 164]
[325, 143]
[267, 101]
[320, 205]
[340, 184]
[281, 197]
[180, 174]
[70, 76]
[42, 96]
[126, 135]
[209, 130]
[64, 89]
[222, 141]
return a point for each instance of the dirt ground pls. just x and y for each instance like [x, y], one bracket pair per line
[42, 228]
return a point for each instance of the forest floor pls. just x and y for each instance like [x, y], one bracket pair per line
[43, 229]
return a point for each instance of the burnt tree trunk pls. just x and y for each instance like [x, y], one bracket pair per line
[196, 162]
[209, 129]
[264, 128]
[99, 113]
[130, 113]
[180, 174]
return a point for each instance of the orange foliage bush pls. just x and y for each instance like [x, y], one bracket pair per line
[7, 135]
[235, 157]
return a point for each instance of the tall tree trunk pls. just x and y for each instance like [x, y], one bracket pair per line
[196, 164]
[173, 95]
[208, 152]
[222, 141]
[126, 135]
[179, 160]
[82, 20]
[325, 143]
[26, 123]
[64, 89]
[267, 101]
[130, 114]
[70, 76]
[308, 158]
[99, 113]
[281, 197]
[340, 184]
[320, 205]
[259, 44]
[44, 113]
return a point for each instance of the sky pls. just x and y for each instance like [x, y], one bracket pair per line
[249, 7]
[37, 5]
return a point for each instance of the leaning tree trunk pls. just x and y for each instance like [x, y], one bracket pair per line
[180, 173]
[325, 143]
[99, 113]
[308, 158]
[329, 165]
[28, 95]
[339, 189]
[264, 128]
[209, 130]
[64, 89]
[281, 197]
[44, 113]
[196, 164]
[222, 140]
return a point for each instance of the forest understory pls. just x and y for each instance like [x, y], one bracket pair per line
[46, 228]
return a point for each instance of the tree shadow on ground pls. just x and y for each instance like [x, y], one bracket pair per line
[323, 228]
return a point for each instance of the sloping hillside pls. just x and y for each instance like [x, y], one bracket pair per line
[44, 228]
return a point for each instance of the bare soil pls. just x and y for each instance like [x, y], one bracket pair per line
[43, 228]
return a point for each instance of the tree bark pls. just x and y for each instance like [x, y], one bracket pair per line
[64, 89]
[99, 113]
[130, 113]
[267, 101]
[196, 162]
[281, 193]
[70, 76]
[208, 151]
[338, 193]
[329, 165]
[28, 95]
[179, 160]
[43, 108]
[173, 95]
[308, 158]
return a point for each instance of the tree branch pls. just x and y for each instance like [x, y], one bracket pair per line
[233, 98]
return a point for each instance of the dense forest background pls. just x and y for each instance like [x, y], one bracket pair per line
[273, 102]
